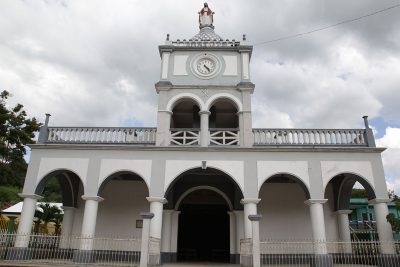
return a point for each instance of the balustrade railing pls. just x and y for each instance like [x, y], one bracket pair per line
[310, 137]
[218, 136]
[224, 136]
[137, 135]
[185, 137]
[210, 43]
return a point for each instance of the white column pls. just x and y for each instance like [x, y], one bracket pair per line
[318, 224]
[144, 248]
[67, 225]
[156, 207]
[26, 220]
[245, 66]
[239, 228]
[255, 219]
[232, 232]
[166, 231]
[241, 126]
[164, 65]
[204, 130]
[250, 208]
[384, 228]
[89, 221]
[174, 231]
[163, 128]
[344, 229]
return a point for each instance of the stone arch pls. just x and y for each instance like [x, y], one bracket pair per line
[216, 97]
[204, 187]
[235, 191]
[342, 185]
[175, 169]
[174, 100]
[121, 174]
[69, 182]
[290, 176]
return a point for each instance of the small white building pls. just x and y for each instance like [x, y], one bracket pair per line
[204, 169]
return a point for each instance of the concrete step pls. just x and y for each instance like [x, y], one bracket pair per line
[199, 264]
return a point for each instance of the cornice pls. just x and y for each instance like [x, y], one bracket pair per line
[152, 147]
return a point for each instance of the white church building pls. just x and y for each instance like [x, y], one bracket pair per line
[188, 186]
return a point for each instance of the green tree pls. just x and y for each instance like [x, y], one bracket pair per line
[395, 222]
[16, 131]
[45, 214]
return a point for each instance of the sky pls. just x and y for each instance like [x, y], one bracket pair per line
[95, 62]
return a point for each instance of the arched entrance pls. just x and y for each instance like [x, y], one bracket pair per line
[124, 194]
[203, 233]
[204, 197]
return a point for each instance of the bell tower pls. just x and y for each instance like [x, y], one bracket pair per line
[205, 89]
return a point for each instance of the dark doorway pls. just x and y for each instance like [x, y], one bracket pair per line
[203, 233]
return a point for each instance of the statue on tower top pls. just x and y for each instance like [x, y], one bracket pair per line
[206, 17]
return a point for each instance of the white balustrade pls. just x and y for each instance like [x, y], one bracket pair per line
[185, 137]
[224, 136]
[101, 135]
[309, 137]
[210, 43]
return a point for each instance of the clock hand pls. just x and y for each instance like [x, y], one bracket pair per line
[206, 67]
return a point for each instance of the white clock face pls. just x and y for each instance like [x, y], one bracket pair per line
[205, 66]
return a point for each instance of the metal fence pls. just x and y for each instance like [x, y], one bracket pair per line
[53, 250]
[357, 254]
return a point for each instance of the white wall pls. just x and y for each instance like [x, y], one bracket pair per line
[117, 214]
[286, 217]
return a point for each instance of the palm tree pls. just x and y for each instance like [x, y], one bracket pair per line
[46, 213]
[57, 220]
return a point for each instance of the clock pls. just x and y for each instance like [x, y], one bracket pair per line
[205, 66]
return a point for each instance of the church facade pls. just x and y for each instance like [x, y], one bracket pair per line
[206, 180]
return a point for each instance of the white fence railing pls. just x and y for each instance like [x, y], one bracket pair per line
[309, 137]
[101, 135]
[297, 253]
[224, 137]
[52, 250]
[185, 137]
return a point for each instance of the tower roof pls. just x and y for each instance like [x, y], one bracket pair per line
[206, 36]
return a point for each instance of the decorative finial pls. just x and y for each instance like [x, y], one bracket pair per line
[244, 37]
[206, 17]
[167, 36]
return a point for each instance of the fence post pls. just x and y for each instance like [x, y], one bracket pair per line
[255, 219]
[43, 133]
[144, 249]
[369, 134]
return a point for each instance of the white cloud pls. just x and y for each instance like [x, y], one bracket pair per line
[96, 62]
[391, 157]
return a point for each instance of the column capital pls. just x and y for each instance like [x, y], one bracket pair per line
[162, 200]
[379, 200]
[315, 201]
[33, 196]
[255, 217]
[147, 215]
[95, 198]
[250, 200]
[206, 112]
[338, 212]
